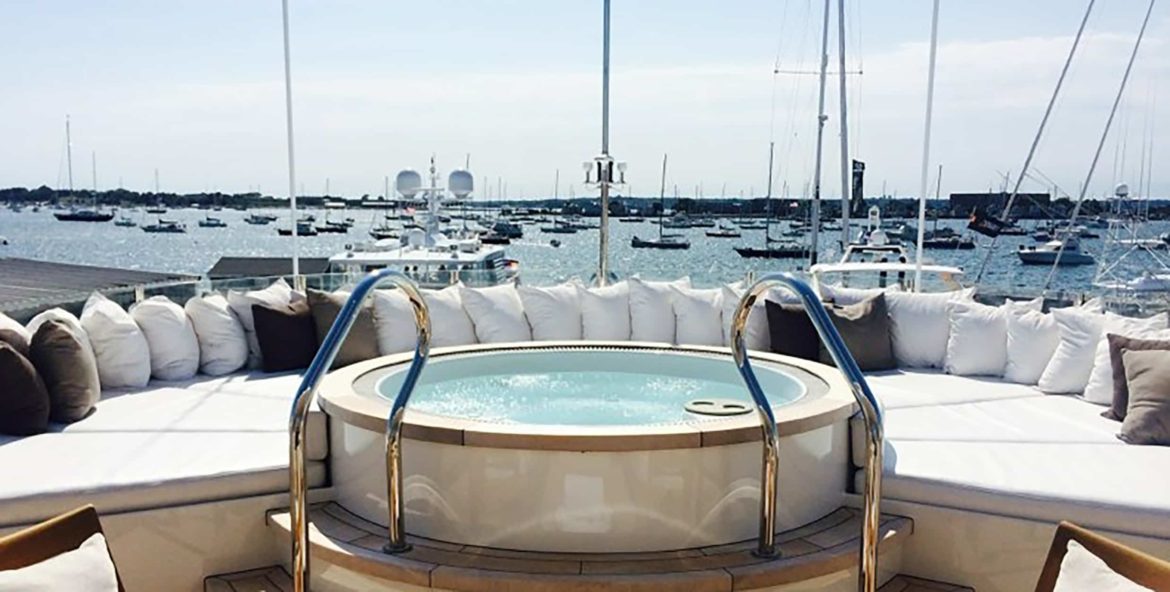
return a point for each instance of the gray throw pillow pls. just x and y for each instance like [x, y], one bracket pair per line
[66, 364]
[865, 329]
[362, 341]
[1117, 345]
[1147, 421]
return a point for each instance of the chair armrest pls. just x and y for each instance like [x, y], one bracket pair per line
[1147, 570]
[50, 538]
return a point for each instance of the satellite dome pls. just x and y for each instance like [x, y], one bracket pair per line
[1122, 190]
[408, 182]
[460, 183]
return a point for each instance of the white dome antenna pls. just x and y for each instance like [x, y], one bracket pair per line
[408, 182]
[460, 183]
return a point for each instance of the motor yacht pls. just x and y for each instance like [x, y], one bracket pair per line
[1066, 252]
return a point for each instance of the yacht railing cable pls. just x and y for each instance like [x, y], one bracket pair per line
[298, 420]
[1036, 139]
[1101, 143]
[871, 414]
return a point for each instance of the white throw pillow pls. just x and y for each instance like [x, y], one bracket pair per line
[497, 313]
[554, 313]
[123, 356]
[756, 335]
[1032, 338]
[88, 568]
[1099, 389]
[1071, 364]
[843, 296]
[605, 312]
[174, 348]
[277, 295]
[652, 310]
[977, 344]
[10, 324]
[920, 326]
[698, 316]
[1082, 571]
[450, 325]
[223, 346]
[56, 314]
[394, 321]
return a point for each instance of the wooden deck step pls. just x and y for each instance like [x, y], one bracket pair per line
[902, 583]
[826, 546]
[265, 579]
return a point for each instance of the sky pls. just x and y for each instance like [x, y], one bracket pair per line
[195, 89]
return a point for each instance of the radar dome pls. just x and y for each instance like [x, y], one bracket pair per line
[408, 182]
[460, 183]
[1122, 190]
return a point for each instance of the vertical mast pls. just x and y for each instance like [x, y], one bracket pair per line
[815, 213]
[926, 147]
[603, 243]
[846, 168]
[69, 153]
[292, 193]
[768, 199]
[662, 198]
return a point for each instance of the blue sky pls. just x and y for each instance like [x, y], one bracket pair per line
[195, 89]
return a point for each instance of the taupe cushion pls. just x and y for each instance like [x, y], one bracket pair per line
[66, 364]
[1117, 344]
[287, 336]
[791, 331]
[1147, 421]
[24, 402]
[865, 329]
[362, 341]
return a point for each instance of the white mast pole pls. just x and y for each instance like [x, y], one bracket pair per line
[292, 170]
[69, 153]
[815, 214]
[926, 146]
[846, 166]
[603, 243]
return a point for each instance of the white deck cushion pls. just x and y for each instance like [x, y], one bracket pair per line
[223, 346]
[605, 312]
[394, 320]
[1069, 369]
[450, 325]
[756, 335]
[1099, 389]
[123, 356]
[652, 309]
[174, 348]
[977, 344]
[698, 316]
[57, 314]
[1032, 338]
[6, 322]
[167, 444]
[920, 326]
[277, 295]
[554, 313]
[497, 313]
[1082, 571]
[88, 568]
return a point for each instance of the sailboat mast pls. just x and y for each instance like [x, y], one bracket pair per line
[93, 164]
[662, 197]
[69, 153]
[846, 168]
[768, 198]
[926, 147]
[815, 213]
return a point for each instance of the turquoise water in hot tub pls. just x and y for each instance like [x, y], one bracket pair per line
[583, 387]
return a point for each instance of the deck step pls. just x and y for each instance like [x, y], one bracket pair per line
[902, 583]
[265, 579]
[826, 546]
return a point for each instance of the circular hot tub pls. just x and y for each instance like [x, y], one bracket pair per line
[588, 447]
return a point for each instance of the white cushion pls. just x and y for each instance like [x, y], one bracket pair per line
[605, 312]
[58, 314]
[394, 322]
[554, 313]
[88, 568]
[920, 326]
[756, 335]
[652, 310]
[497, 313]
[977, 344]
[223, 346]
[277, 295]
[1082, 571]
[1099, 389]
[698, 316]
[1069, 369]
[174, 348]
[123, 356]
[1032, 338]
[450, 325]
[7, 322]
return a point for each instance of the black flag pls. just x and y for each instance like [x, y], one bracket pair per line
[857, 200]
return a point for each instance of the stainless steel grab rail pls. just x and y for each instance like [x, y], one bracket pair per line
[298, 486]
[871, 413]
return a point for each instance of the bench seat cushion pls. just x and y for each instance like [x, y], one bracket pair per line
[170, 443]
[990, 446]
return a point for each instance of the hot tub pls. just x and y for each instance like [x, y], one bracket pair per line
[588, 447]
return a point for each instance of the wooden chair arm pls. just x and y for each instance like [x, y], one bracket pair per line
[51, 538]
[1147, 570]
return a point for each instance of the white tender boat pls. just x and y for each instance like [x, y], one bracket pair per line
[1051, 253]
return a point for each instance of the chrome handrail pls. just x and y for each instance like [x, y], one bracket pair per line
[297, 428]
[871, 413]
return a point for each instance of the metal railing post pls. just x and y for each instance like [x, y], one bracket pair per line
[298, 420]
[871, 413]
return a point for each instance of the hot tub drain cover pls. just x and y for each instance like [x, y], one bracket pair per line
[718, 407]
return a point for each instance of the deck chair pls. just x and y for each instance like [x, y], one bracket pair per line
[1147, 570]
[51, 538]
